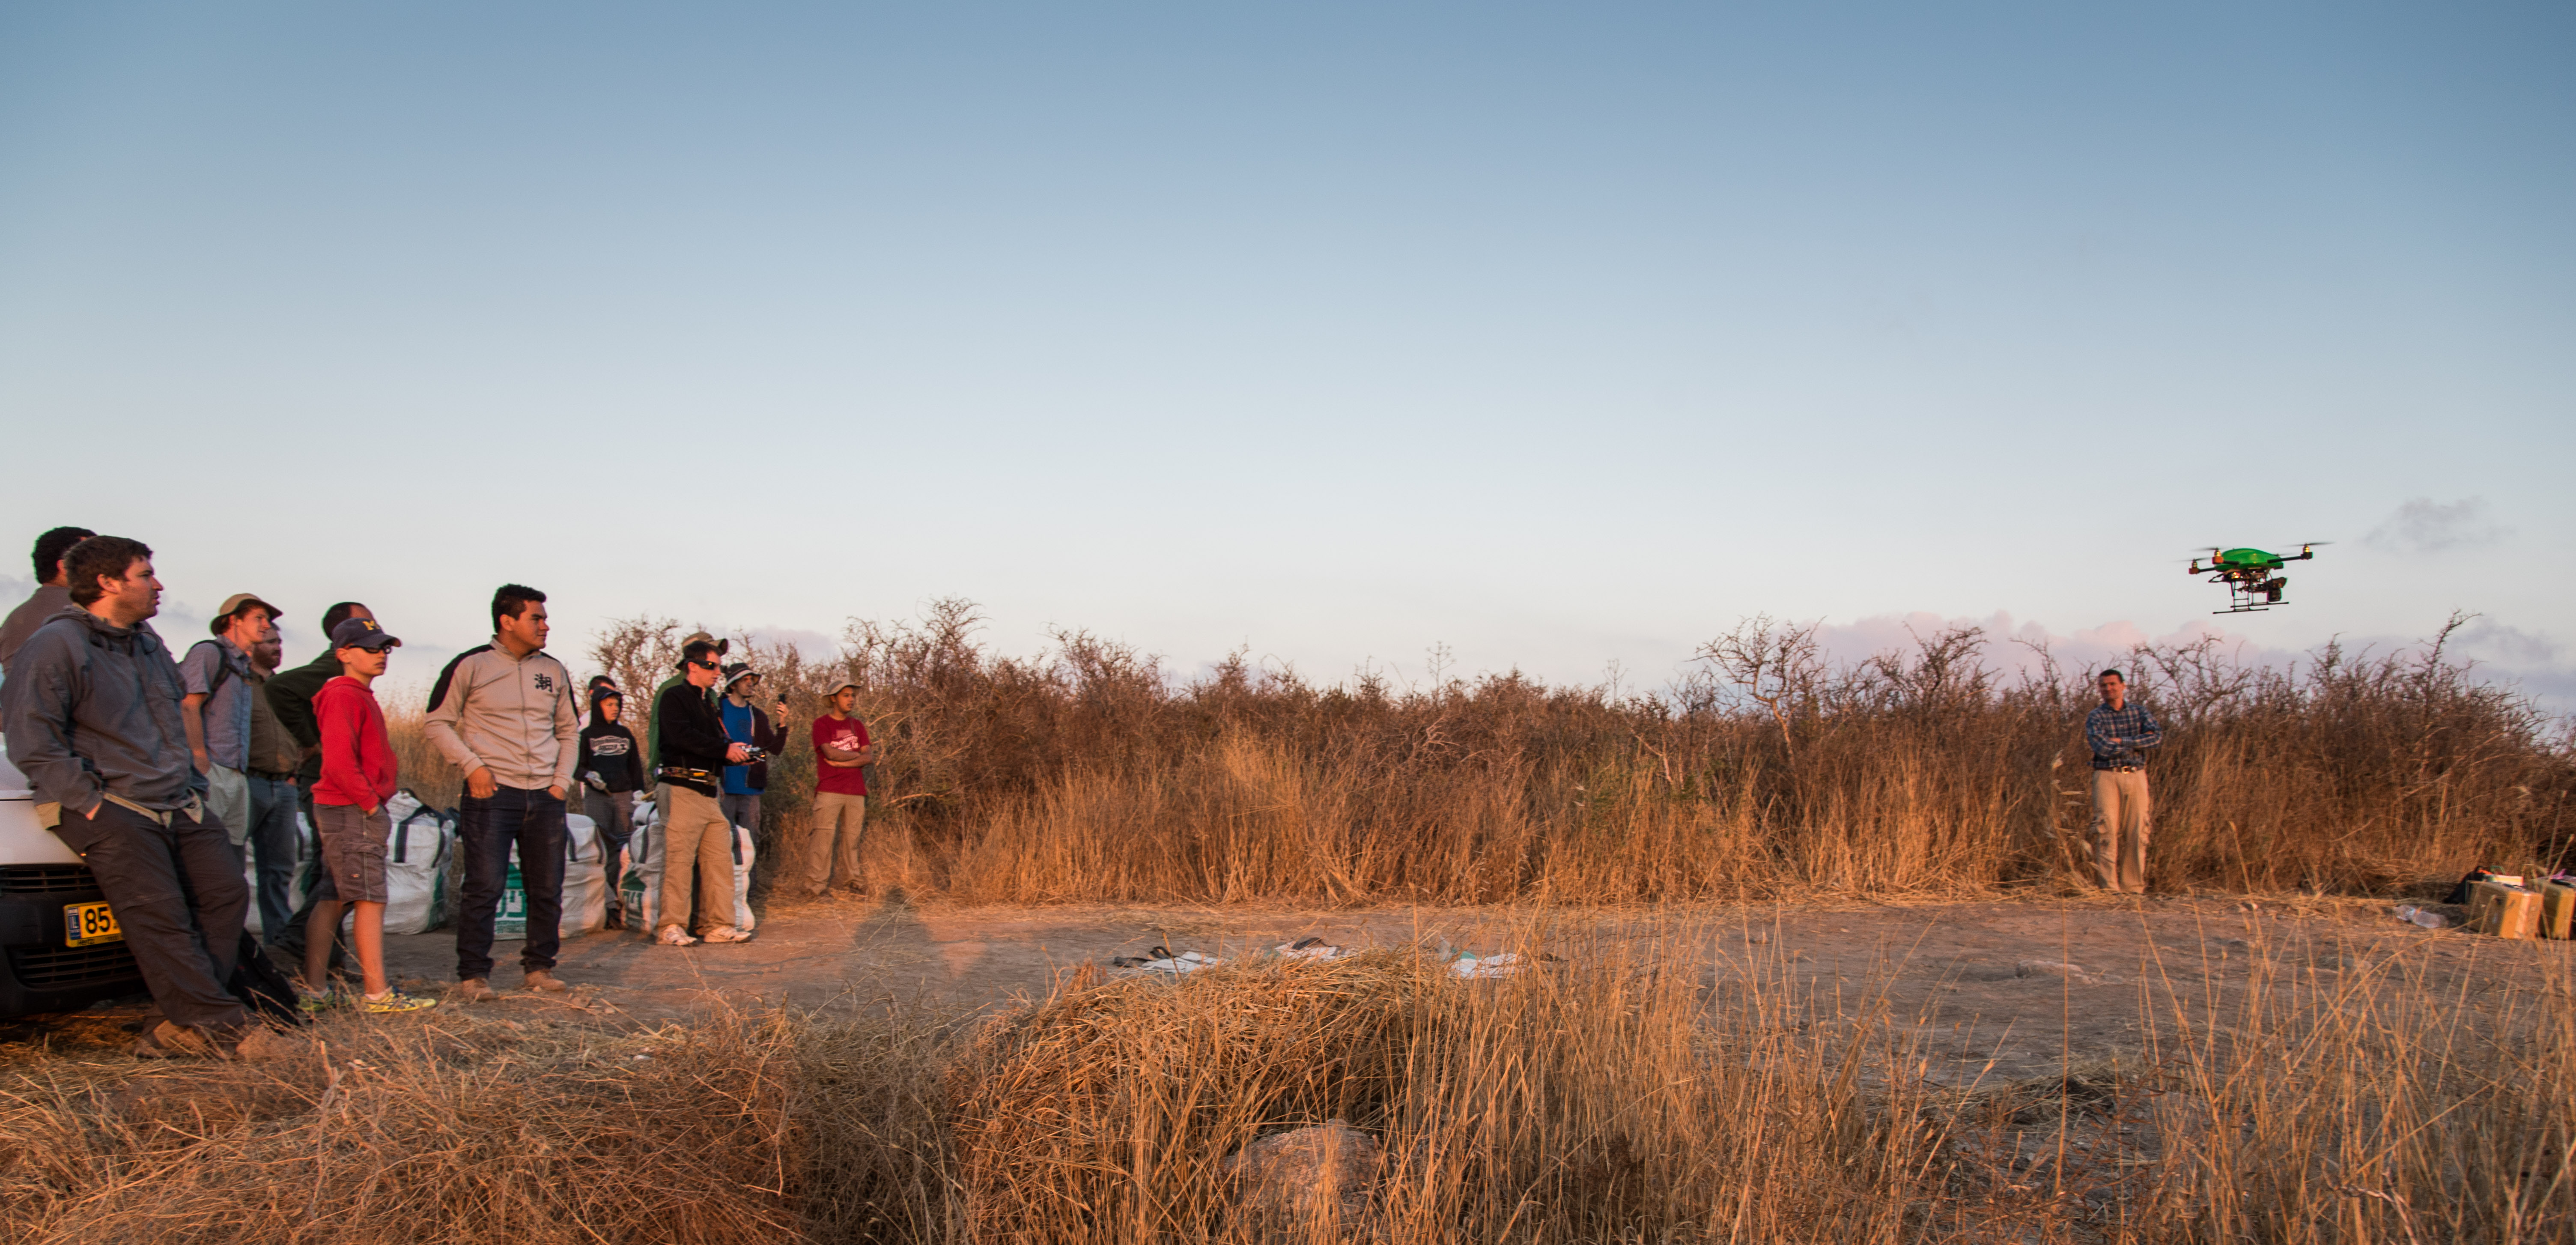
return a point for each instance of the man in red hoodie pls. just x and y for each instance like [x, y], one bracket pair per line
[358, 774]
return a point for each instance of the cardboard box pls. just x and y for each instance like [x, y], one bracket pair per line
[2504, 911]
[2557, 910]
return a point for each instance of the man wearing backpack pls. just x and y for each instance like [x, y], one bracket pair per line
[216, 676]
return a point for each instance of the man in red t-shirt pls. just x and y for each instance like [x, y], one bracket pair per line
[841, 747]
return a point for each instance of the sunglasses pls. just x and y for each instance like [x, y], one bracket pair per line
[706, 665]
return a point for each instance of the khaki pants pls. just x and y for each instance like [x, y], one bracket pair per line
[831, 855]
[228, 798]
[694, 833]
[2120, 829]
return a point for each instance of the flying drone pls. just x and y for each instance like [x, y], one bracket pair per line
[2252, 576]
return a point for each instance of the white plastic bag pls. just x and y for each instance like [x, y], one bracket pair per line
[585, 887]
[416, 850]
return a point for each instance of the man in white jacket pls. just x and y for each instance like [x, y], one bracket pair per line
[503, 714]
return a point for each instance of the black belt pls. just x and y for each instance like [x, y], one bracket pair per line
[272, 775]
[673, 773]
[2125, 769]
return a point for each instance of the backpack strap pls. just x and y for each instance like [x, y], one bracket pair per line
[223, 666]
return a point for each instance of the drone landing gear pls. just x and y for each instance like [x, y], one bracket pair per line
[2254, 597]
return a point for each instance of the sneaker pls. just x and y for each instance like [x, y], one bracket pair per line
[315, 1002]
[396, 1001]
[726, 933]
[674, 936]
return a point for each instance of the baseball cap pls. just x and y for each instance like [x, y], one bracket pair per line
[722, 646]
[234, 604]
[361, 633]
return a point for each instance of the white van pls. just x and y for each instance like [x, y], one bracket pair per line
[60, 949]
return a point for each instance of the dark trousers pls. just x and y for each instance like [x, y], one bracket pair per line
[614, 813]
[485, 831]
[272, 840]
[285, 943]
[179, 896]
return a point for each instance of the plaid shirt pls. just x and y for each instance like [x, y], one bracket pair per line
[2116, 734]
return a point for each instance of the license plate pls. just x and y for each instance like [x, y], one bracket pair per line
[87, 923]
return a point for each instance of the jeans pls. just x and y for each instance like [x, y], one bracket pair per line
[614, 813]
[485, 831]
[178, 894]
[272, 838]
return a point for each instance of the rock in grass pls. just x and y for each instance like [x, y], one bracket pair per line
[1297, 1184]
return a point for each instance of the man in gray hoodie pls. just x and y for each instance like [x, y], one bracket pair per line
[91, 709]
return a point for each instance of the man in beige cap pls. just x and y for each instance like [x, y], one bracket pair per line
[216, 677]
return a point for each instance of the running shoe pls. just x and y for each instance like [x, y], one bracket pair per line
[727, 933]
[397, 1001]
[672, 936]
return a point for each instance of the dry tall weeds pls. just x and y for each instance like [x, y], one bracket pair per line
[1089, 772]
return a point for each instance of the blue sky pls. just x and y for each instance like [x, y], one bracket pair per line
[1557, 335]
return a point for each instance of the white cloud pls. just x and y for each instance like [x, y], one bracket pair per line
[2423, 525]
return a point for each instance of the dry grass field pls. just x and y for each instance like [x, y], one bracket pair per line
[1610, 1096]
[1615, 1095]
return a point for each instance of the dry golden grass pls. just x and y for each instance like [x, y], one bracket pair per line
[1610, 1097]
[1088, 772]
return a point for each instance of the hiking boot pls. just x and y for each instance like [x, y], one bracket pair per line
[726, 933]
[673, 936]
[476, 990]
[392, 1001]
[545, 980]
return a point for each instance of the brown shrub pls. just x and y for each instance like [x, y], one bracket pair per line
[1089, 772]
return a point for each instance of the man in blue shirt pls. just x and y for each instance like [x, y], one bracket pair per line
[2116, 730]
[745, 723]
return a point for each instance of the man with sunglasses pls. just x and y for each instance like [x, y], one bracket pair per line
[697, 839]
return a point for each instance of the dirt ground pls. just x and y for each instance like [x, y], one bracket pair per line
[2004, 990]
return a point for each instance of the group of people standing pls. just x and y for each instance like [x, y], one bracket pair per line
[166, 773]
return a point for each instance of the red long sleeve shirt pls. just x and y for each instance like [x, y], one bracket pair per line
[358, 765]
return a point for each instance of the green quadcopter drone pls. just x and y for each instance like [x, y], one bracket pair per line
[2251, 575]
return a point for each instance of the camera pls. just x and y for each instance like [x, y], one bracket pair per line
[752, 754]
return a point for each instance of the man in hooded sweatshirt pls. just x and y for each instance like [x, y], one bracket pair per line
[611, 771]
[91, 710]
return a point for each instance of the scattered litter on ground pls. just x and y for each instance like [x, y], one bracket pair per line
[2425, 917]
[1161, 960]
